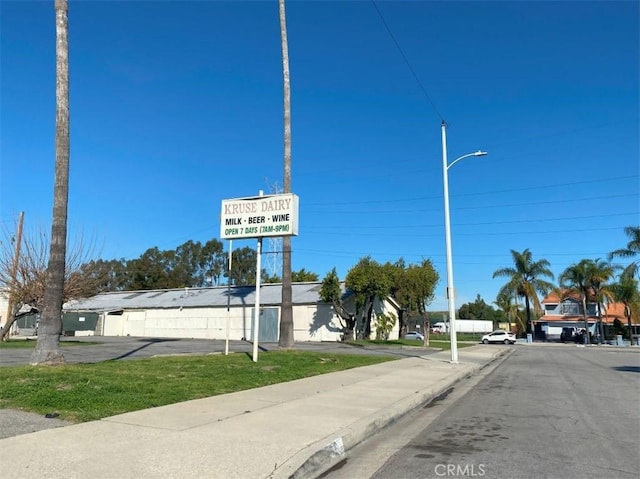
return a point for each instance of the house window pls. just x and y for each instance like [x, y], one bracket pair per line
[569, 307]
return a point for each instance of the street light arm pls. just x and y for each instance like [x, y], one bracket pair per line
[477, 153]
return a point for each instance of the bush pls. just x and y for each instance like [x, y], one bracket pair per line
[384, 325]
[619, 328]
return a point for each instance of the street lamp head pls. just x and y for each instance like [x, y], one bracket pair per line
[477, 153]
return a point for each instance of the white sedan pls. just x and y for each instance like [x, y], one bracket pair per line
[499, 336]
[414, 335]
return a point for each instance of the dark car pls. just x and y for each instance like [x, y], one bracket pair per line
[569, 335]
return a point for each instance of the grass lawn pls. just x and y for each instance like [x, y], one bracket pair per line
[443, 344]
[85, 392]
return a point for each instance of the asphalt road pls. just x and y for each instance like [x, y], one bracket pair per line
[544, 411]
[124, 348]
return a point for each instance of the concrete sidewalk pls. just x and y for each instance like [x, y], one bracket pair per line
[297, 429]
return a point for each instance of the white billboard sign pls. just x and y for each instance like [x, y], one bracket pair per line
[259, 216]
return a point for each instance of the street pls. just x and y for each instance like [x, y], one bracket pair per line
[550, 411]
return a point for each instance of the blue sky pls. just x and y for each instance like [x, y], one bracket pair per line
[176, 106]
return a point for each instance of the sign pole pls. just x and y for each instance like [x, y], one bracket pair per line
[256, 314]
[226, 343]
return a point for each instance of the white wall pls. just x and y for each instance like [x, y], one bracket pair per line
[473, 326]
[4, 306]
[311, 323]
[112, 324]
[134, 325]
[205, 323]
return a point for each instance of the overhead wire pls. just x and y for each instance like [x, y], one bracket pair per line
[489, 192]
[406, 60]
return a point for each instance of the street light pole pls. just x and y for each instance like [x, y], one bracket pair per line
[447, 232]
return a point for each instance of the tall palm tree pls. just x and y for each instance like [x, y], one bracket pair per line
[285, 339]
[525, 279]
[577, 278]
[47, 350]
[626, 292]
[631, 251]
[601, 273]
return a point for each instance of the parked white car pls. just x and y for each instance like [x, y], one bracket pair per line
[499, 336]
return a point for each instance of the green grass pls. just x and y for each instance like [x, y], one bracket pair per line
[433, 343]
[86, 392]
[31, 343]
[473, 337]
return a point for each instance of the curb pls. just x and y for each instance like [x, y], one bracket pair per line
[318, 458]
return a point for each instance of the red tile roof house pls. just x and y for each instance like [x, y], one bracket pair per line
[565, 313]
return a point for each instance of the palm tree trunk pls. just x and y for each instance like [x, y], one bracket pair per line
[586, 322]
[47, 350]
[600, 326]
[627, 311]
[286, 339]
[528, 308]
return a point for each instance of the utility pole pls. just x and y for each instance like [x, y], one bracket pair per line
[14, 272]
[274, 255]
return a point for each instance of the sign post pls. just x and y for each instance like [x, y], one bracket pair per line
[256, 313]
[226, 341]
[257, 217]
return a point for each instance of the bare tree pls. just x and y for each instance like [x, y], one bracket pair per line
[47, 350]
[286, 317]
[23, 276]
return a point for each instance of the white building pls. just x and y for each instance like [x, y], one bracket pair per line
[4, 307]
[207, 312]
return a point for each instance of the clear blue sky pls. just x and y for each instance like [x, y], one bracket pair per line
[176, 106]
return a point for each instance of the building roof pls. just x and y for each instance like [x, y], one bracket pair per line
[609, 313]
[554, 298]
[217, 296]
